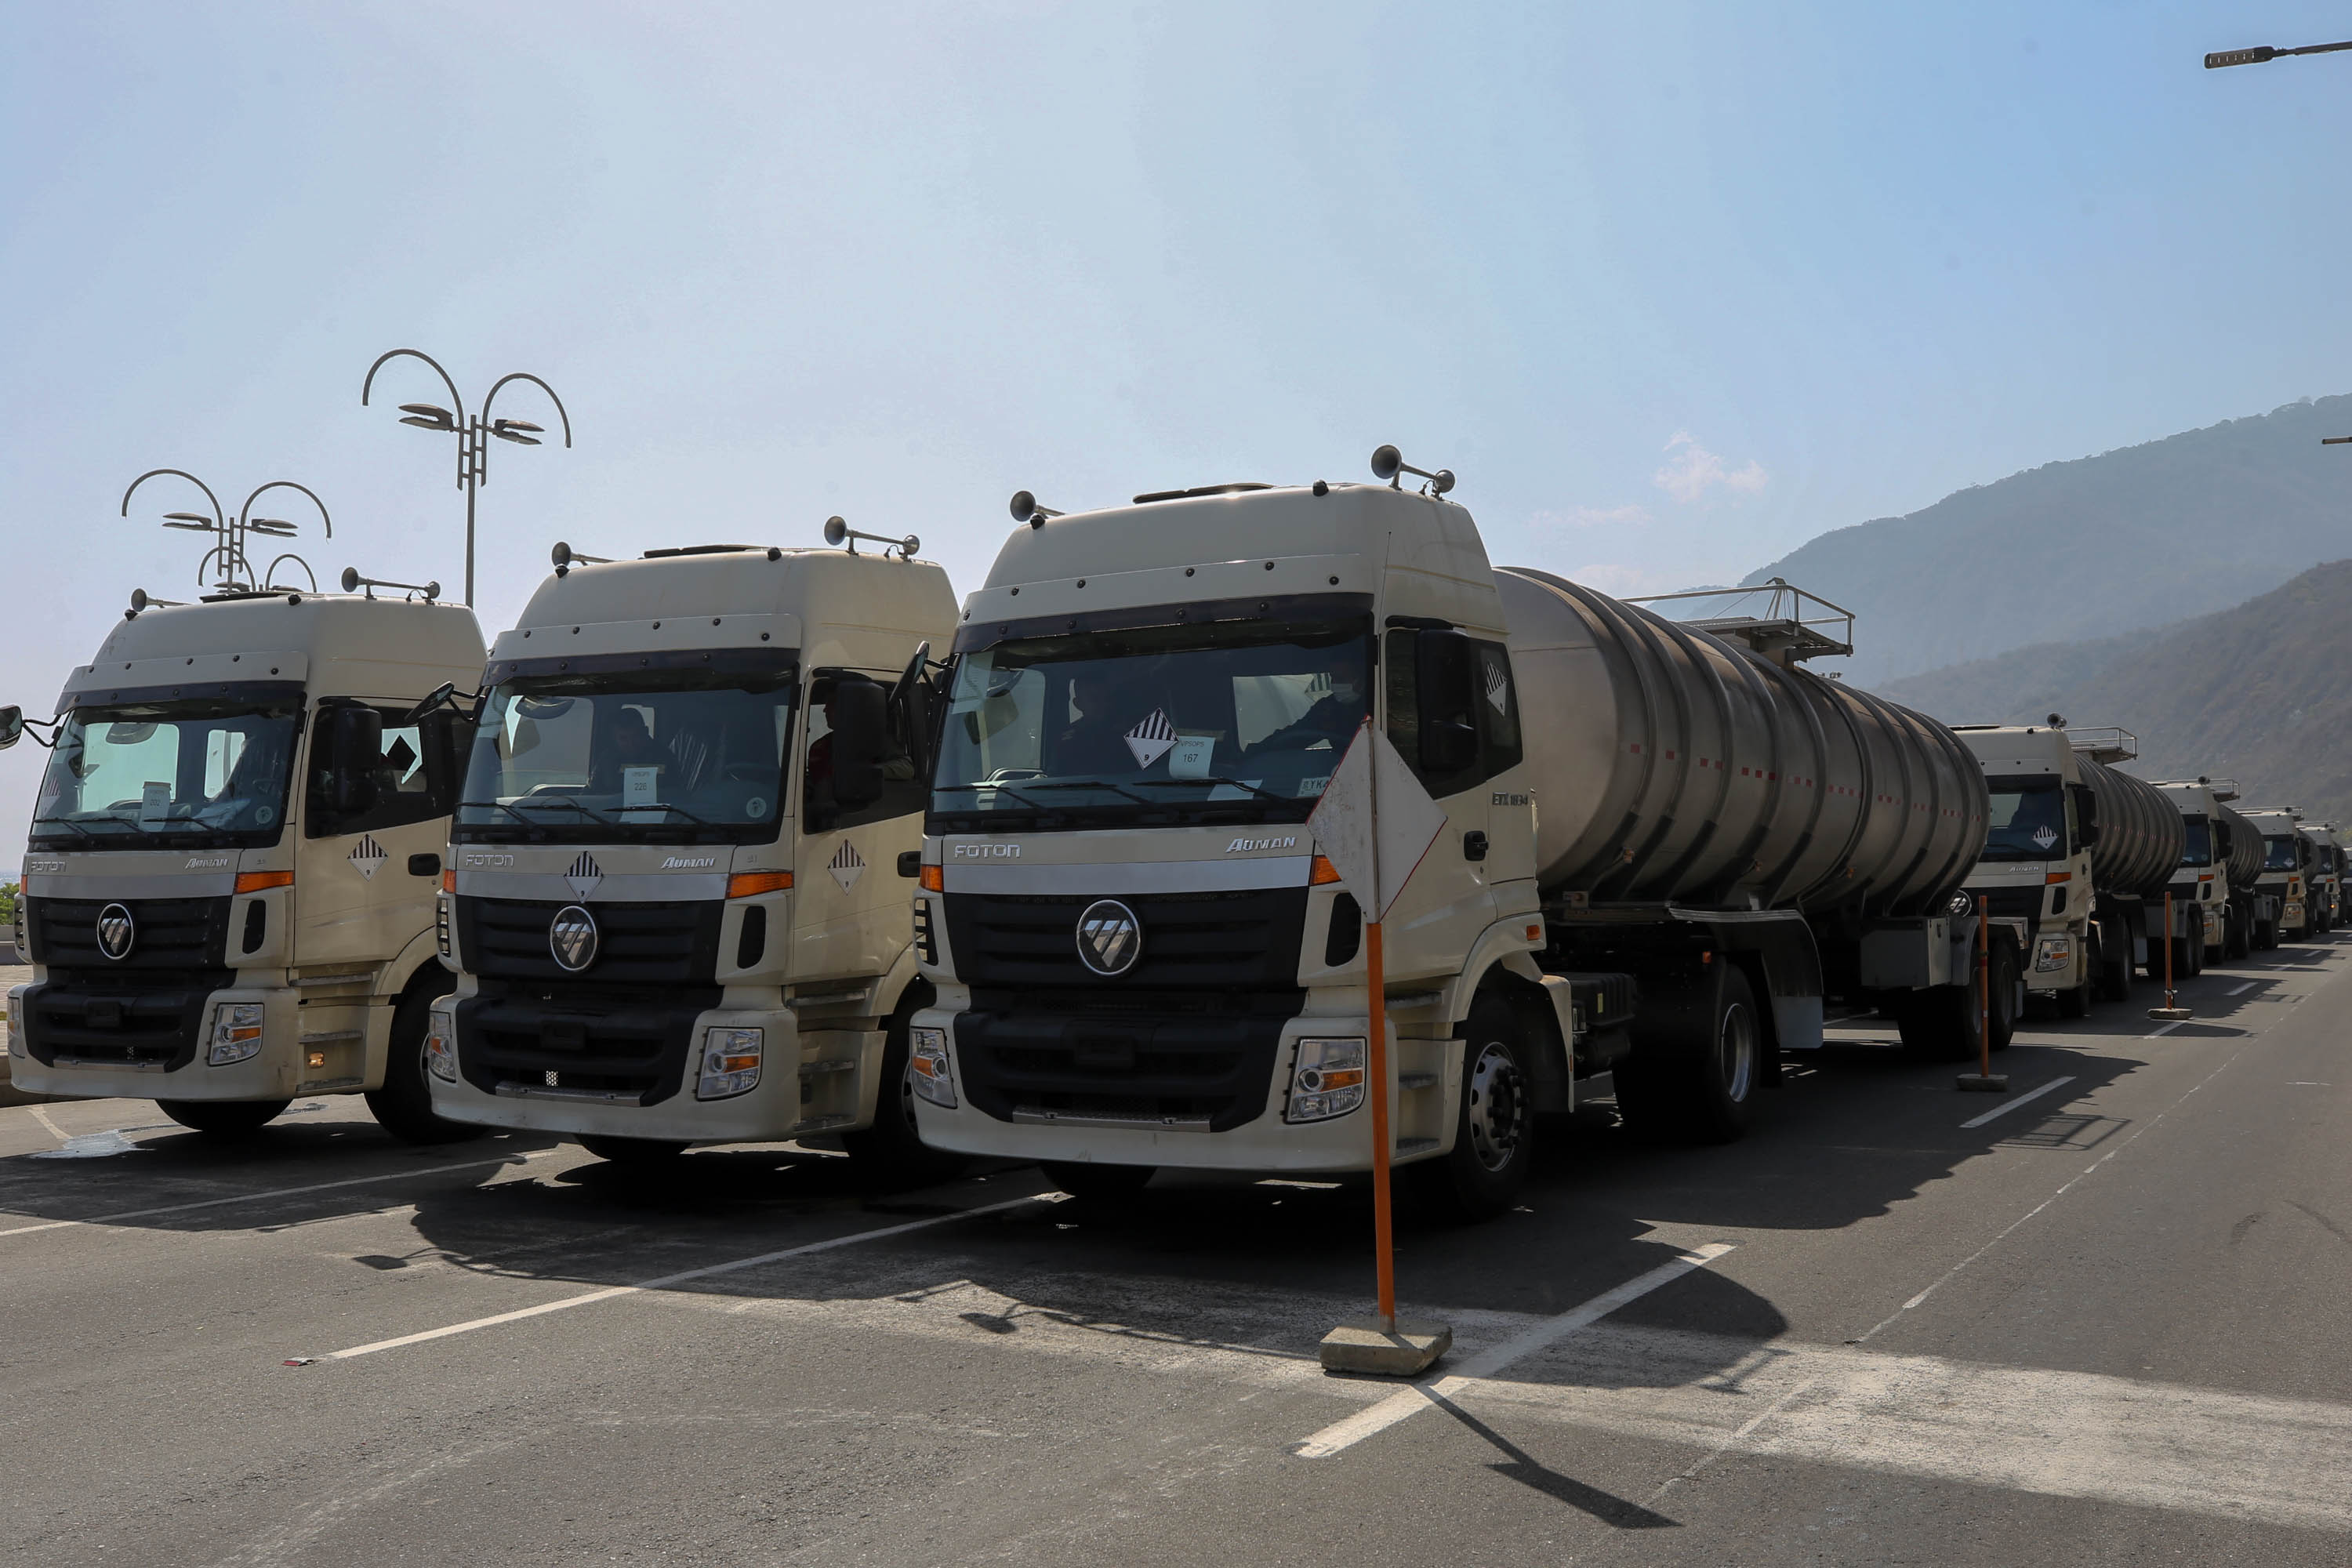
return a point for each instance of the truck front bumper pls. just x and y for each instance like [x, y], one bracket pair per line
[811, 1081]
[1420, 1117]
[151, 1069]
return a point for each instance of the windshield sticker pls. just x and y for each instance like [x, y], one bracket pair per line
[756, 807]
[368, 857]
[1189, 757]
[1499, 686]
[154, 803]
[846, 865]
[1150, 740]
[640, 787]
[2043, 837]
[265, 815]
[1313, 787]
[1240, 789]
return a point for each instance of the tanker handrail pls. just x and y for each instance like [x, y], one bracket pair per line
[1790, 620]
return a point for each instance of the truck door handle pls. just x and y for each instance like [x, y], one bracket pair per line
[1474, 846]
[425, 865]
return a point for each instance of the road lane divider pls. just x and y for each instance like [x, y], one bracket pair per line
[1428, 1393]
[709, 1270]
[277, 1192]
[2005, 1108]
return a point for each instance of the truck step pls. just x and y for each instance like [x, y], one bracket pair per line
[1414, 1145]
[820, 1123]
[328, 1037]
[819, 1070]
[1416, 1081]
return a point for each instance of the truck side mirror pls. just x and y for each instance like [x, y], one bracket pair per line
[2086, 814]
[1444, 690]
[355, 742]
[12, 726]
[911, 708]
[859, 710]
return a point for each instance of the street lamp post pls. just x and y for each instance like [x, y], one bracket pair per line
[473, 432]
[2265, 54]
[229, 533]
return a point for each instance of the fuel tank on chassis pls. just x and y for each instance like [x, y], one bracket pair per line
[1675, 766]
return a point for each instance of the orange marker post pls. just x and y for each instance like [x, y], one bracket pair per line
[2169, 1013]
[1376, 1085]
[1983, 1081]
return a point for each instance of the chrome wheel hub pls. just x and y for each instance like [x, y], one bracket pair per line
[1498, 1106]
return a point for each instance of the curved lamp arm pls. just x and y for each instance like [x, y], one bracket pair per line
[457, 403]
[220, 520]
[269, 578]
[246, 511]
[525, 375]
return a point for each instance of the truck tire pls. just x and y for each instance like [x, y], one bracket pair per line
[2265, 936]
[2075, 1002]
[891, 1153]
[2235, 943]
[1092, 1184]
[223, 1117]
[2115, 972]
[638, 1152]
[1939, 1023]
[1706, 1095]
[2197, 950]
[1493, 1124]
[2008, 997]
[404, 1106]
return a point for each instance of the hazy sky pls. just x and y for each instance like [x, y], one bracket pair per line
[1672, 288]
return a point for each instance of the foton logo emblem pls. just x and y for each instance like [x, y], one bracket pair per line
[686, 862]
[474, 858]
[1239, 844]
[987, 851]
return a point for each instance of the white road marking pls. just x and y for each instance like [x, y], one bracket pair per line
[56, 1132]
[274, 1193]
[2159, 1034]
[707, 1271]
[2007, 1106]
[1948, 1274]
[2242, 989]
[1343, 1434]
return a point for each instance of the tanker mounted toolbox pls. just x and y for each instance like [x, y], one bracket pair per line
[1664, 844]
[230, 880]
[677, 904]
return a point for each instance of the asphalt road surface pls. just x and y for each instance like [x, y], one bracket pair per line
[2102, 1320]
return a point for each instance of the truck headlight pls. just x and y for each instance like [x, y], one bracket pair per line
[441, 1047]
[730, 1063]
[1326, 1079]
[927, 1068]
[2054, 953]
[237, 1033]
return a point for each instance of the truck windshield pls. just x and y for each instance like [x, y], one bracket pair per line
[2029, 819]
[2279, 852]
[662, 757]
[1238, 722]
[195, 775]
[2199, 850]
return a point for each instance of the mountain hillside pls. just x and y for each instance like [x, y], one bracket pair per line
[2093, 548]
[2262, 693]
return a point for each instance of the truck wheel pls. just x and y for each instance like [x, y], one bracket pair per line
[2075, 1002]
[223, 1117]
[639, 1152]
[1494, 1125]
[2115, 973]
[891, 1153]
[2008, 991]
[404, 1106]
[2197, 951]
[1092, 1184]
[2235, 943]
[1708, 1095]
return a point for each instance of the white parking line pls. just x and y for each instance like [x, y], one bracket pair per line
[274, 1193]
[587, 1296]
[2159, 1034]
[1343, 1434]
[2242, 989]
[2007, 1106]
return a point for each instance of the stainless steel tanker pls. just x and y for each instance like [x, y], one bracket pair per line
[1675, 766]
[2140, 838]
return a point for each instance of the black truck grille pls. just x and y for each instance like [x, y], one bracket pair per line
[625, 1040]
[148, 1021]
[637, 945]
[1189, 939]
[188, 935]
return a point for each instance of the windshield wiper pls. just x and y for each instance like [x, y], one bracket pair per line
[626, 820]
[1096, 784]
[565, 800]
[502, 806]
[82, 827]
[1008, 789]
[1214, 779]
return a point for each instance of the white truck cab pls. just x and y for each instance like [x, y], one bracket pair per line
[676, 901]
[2035, 871]
[229, 882]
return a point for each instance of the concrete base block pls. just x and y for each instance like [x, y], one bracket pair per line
[2170, 1014]
[1983, 1083]
[1364, 1346]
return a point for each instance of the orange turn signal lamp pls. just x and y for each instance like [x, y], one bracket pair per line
[747, 884]
[449, 881]
[933, 879]
[262, 882]
[2055, 878]
[1322, 872]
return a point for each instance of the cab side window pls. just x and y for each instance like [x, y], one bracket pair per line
[415, 773]
[1483, 696]
[902, 791]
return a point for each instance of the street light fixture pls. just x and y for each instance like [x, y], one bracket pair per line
[2265, 54]
[473, 434]
[227, 552]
